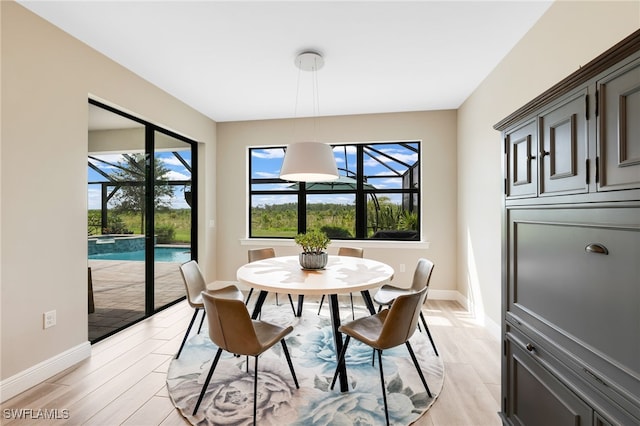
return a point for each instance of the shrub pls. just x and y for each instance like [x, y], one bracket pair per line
[165, 234]
[335, 232]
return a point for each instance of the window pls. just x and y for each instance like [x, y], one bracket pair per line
[377, 195]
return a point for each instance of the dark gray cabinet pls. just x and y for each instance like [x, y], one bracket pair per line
[619, 132]
[571, 249]
[521, 143]
[563, 149]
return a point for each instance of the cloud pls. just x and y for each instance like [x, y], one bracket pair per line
[268, 153]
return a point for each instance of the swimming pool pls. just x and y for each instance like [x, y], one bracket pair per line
[162, 254]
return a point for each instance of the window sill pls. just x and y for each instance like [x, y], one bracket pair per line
[386, 244]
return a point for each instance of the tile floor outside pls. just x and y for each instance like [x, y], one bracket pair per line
[118, 292]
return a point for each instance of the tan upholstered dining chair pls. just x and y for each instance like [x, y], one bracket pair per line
[421, 276]
[232, 329]
[254, 255]
[385, 330]
[194, 284]
[346, 251]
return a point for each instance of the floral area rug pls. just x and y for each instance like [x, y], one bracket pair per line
[229, 396]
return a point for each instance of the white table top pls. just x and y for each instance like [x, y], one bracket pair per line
[343, 274]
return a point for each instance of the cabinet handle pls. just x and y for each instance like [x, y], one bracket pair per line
[544, 153]
[530, 347]
[596, 248]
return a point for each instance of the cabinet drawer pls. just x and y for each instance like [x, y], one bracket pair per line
[574, 274]
[527, 350]
[538, 397]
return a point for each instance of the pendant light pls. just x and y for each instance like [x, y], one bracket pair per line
[310, 161]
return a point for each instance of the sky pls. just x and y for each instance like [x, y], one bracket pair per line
[177, 171]
[266, 163]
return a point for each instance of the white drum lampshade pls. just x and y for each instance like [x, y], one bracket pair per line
[309, 162]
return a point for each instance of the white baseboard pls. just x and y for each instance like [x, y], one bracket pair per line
[32, 376]
[448, 295]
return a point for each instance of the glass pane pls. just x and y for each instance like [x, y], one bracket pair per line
[392, 166]
[274, 215]
[172, 213]
[116, 239]
[335, 214]
[387, 219]
[346, 156]
[266, 162]
[286, 186]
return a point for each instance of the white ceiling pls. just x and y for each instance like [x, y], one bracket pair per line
[234, 60]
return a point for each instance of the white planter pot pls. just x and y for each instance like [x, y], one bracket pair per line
[313, 260]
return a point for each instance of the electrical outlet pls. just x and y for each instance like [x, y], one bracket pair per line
[402, 267]
[49, 319]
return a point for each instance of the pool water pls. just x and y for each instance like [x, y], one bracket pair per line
[162, 254]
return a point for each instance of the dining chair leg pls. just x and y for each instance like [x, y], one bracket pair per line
[384, 391]
[286, 354]
[184, 340]
[340, 360]
[353, 313]
[204, 314]
[246, 302]
[292, 307]
[255, 390]
[321, 302]
[415, 362]
[206, 382]
[426, 327]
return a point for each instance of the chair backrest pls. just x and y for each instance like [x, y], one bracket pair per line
[259, 254]
[230, 326]
[422, 274]
[402, 319]
[193, 281]
[351, 251]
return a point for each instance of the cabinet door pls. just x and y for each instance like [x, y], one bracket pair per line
[619, 135]
[563, 147]
[574, 276]
[522, 171]
[536, 397]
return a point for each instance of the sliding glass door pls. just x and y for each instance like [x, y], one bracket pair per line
[173, 188]
[141, 217]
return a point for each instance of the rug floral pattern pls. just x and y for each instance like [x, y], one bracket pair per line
[229, 396]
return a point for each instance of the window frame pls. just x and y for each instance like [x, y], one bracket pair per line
[361, 194]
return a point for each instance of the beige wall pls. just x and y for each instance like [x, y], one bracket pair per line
[569, 35]
[47, 77]
[436, 130]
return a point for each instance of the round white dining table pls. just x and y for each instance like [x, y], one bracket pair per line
[343, 274]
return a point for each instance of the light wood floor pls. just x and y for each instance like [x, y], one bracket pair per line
[123, 382]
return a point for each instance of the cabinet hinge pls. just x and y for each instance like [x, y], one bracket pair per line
[587, 171]
[597, 102]
[598, 169]
[504, 186]
[504, 347]
[505, 145]
[586, 107]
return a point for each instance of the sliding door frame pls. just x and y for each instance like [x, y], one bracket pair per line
[150, 130]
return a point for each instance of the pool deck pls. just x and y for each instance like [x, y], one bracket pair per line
[118, 292]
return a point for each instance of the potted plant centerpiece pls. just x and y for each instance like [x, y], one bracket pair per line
[313, 244]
